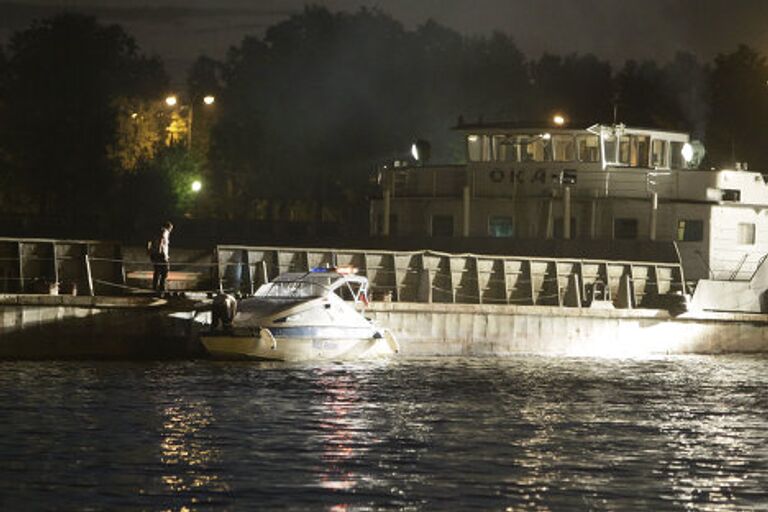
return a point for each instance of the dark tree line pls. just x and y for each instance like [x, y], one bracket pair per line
[305, 113]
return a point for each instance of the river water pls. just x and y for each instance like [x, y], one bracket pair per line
[527, 433]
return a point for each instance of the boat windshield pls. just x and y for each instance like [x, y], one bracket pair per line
[297, 286]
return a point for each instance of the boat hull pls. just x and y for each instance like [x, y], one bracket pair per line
[269, 347]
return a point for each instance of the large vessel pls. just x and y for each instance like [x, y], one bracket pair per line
[586, 186]
[300, 316]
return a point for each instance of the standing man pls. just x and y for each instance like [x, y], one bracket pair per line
[160, 256]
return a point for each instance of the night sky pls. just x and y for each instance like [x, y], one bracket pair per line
[180, 30]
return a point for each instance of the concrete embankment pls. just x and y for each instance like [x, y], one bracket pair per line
[498, 330]
[68, 327]
[77, 327]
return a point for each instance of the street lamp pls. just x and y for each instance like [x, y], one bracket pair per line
[196, 186]
[208, 100]
[558, 119]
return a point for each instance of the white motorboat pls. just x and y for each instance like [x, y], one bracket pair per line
[301, 316]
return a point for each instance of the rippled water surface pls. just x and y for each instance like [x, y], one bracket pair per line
[685, 433]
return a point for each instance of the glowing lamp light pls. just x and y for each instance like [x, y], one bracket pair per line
[209, 99]
[171, 101]
[559, 120]
[421, 150]
[197, 186]
[546, 136]
[687, 152]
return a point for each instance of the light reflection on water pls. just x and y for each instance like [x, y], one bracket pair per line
[522, 433]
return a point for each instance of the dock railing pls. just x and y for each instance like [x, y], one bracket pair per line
[38, 265]
[438, 277]
[90, 267]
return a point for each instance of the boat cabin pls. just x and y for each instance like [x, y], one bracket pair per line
[320, 282]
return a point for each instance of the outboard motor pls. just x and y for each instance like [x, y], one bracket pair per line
[223, 310]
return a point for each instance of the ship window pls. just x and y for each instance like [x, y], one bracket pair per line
[442, 225]
[624, 229]
[563, 149]
[676, 155]
[609, 146]
[533, 149]
[501, 227]
[659, 153]
[558, 231]
[746, 233]
[504, 149]
[640, 147]
[624, 150]
[633, 150]
[689, 230]
[478, 148]
[588, 146]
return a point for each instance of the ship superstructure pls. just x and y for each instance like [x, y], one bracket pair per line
[603, 182]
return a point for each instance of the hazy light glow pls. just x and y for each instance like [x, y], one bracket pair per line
[415, 151]
[546, 136]
[209, 99]
[197, 186]
[687, 152]
[171, 101]
[559, 120]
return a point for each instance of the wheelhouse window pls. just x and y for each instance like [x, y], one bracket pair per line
[690, 230]
[676, 155]
[659, 153]
[625, 229]
[533, 148]
[563, 148]
[501, 227]
[526, 148]
[478, 148]
[633, 150]
[610, 148]
[588, 148]
[442, 225]
[504, 149]
[745, 234]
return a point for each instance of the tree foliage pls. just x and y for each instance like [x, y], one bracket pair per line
[739, 98]
[160, 188]
[140, 132]
[64, 77]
